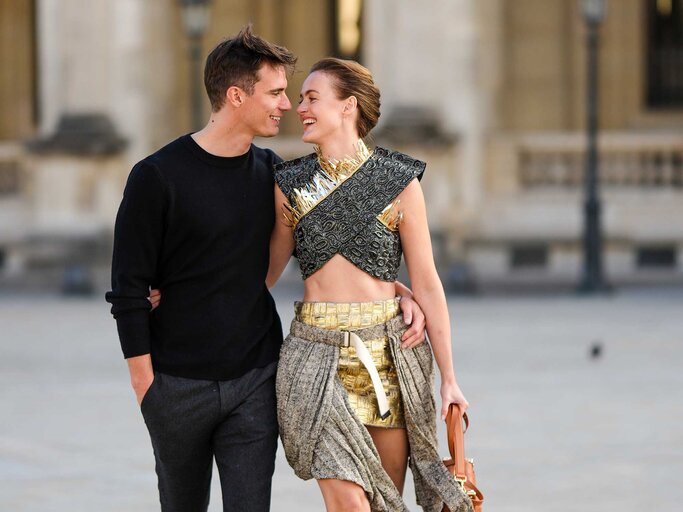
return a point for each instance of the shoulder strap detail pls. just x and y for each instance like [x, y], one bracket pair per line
[388, 177]
[292, 173]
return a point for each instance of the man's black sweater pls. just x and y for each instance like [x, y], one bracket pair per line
[197, 226]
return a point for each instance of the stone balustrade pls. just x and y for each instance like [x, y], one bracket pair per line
[631, 160]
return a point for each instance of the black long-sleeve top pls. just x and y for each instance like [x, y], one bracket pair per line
[197, 226]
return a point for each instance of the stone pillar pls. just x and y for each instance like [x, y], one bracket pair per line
[441, 56]
[74, 57]
[110, 58]
[17, 73]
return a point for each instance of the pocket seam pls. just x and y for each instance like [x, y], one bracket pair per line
[149, 390]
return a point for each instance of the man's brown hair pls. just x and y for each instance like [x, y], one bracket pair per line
[236, 61]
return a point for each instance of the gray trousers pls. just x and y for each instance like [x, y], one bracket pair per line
[191, 422]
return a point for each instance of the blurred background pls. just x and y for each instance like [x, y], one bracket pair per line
[553, 132]
[491, 93]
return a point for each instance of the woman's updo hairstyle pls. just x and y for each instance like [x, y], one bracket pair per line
[352, 79]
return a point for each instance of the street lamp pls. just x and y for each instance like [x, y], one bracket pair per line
[195, 20]
[592, 281]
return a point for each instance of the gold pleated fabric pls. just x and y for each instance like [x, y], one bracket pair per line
[353, 375]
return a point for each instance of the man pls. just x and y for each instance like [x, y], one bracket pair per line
[195, 221]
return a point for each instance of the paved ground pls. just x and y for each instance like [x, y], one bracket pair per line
[552, 429]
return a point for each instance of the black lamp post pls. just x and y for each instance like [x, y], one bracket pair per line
[195, 21]
[592, 280]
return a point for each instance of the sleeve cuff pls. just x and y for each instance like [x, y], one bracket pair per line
[134, 333]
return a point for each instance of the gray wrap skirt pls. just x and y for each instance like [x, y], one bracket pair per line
[323, 438]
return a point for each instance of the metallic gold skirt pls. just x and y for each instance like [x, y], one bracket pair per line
[353, 375]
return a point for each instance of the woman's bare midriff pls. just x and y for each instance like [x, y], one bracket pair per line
[339, 280]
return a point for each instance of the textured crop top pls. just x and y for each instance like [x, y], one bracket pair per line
[352, 214]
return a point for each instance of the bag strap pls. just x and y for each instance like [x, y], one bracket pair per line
[457, 424]
[456, 438]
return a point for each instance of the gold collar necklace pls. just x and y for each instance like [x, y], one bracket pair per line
[344, 168]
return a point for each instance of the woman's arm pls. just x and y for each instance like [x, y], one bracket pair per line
[428, 290]
[281, 241]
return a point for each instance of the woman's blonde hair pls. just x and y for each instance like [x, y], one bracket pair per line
[352, 79]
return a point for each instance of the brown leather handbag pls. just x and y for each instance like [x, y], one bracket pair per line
[461, 468]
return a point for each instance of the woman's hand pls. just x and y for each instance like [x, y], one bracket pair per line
[451, 394]
[154, 298]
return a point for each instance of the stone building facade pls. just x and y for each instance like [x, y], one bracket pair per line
[491, 93]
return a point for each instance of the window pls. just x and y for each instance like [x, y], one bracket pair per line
[665, 53]
[656, 257]
[529, 256]
[347, 28]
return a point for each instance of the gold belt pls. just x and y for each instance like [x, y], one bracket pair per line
[346, 315]
[355, 339]
[359, 325]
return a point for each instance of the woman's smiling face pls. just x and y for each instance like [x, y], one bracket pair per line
[320, 110]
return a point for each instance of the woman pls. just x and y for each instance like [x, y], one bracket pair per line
[353, 405]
